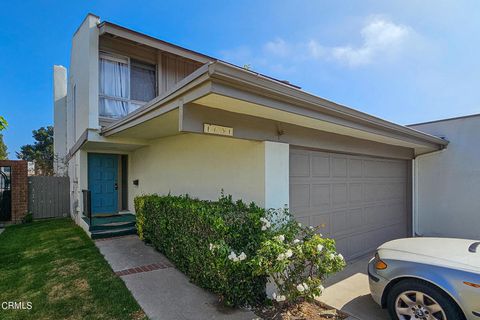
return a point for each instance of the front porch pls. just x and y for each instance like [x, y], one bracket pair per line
[105, 202]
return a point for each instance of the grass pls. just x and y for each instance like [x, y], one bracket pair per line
[56, 267]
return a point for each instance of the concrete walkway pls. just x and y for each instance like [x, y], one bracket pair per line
[163, 292]
[349, 291]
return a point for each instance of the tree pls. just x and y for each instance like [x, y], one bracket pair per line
[3, 123]
[40, 152]
[3, 149]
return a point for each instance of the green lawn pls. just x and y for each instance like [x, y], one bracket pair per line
[56, 267]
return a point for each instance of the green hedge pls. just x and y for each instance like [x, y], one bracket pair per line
[184, 229]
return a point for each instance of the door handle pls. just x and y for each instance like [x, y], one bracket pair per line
[116, 186]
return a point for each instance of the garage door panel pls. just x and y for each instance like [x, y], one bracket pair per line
[360, 201]
[320, 195]
[339, 167]
[299, 164]
[355, 193]
[339, 194]
[300, 195]
[355, 168]
[355, 219]
[320, 166]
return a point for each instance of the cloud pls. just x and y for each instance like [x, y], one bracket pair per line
[278, 47]
[380, 38]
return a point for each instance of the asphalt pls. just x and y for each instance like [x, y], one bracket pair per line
[163, 292]
[348, 291]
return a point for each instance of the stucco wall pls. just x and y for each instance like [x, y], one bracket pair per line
[200, 165]
[82, 98]
[448, 182]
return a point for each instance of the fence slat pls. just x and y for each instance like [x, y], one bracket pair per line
[49, 197]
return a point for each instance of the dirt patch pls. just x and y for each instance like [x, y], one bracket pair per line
[304, 311]
[81, 285]
[67, 270]
[61, 291]
[138, 315]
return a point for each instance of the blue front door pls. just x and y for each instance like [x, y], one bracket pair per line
[103, 182]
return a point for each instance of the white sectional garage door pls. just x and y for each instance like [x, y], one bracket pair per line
[359, 201]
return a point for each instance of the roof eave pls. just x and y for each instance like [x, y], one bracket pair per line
[230, 72]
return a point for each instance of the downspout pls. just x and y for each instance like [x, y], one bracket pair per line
[415, 222]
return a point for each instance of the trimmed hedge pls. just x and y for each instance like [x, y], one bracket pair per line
[185, 229]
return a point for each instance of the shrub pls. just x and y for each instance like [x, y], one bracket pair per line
[231, 248]
[297, 259]
[198, 236]
[28, 218]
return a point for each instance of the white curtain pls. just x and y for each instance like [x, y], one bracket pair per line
[114, 83]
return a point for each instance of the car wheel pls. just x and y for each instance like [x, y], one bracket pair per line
[415, 299]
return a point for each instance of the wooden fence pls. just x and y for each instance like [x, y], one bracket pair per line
[48, 197]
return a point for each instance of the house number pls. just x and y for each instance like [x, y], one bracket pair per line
[214, 129]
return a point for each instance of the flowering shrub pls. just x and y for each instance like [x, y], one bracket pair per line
[231, 248]
[297, 260]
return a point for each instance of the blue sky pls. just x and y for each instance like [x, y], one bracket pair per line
[404, 61]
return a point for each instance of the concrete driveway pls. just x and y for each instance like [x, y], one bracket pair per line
[348, 291]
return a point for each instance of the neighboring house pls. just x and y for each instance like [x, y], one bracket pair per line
[139, 115]
[448, 182]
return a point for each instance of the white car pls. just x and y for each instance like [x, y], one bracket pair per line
[427, 278]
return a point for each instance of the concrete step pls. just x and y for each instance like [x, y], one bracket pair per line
[112, 226]
[101, 234]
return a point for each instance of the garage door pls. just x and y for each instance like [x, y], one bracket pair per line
[359, 201]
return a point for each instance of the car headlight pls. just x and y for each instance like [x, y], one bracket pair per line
[379, 264]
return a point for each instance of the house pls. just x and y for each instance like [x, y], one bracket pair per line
[137, 115]
[447, 201]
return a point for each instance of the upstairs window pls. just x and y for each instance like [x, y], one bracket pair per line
[142, 79]
[124, 85]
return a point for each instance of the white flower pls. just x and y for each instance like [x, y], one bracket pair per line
[281, 257]
[289, 253]
[296, 241]
[300, 288]
[319, 247]
[280, 238]
[212, 246]
[310, 227]
[233, 256]
[340, 256]
[321, 288]
[265, 224]
[305, 286]
[299, 224]
[332, 256]
[242, 256]
[274, 296]
[281, 298]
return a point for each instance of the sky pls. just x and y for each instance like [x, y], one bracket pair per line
[403, 61]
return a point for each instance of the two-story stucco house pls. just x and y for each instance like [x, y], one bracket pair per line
[137, 115]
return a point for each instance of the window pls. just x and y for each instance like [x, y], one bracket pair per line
[124, 85]
[142, 79]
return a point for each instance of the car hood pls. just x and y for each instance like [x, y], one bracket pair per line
[447, 252]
